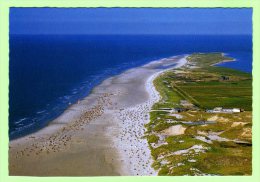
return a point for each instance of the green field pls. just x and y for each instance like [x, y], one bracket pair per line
[205, 84]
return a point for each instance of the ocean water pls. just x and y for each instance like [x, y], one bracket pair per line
[50, 72]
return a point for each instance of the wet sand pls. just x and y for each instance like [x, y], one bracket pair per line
[99, 136]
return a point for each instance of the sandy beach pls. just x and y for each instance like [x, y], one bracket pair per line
[101, 135]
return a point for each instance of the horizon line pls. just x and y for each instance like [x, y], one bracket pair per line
[132, 34]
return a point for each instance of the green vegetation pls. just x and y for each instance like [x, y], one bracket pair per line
[223, 146]
[170, 98]
[152, 138]
[207, 86]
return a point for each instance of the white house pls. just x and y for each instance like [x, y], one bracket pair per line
[224, 110]
[236, 110]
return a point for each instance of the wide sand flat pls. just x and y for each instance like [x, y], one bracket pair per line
[99, 136]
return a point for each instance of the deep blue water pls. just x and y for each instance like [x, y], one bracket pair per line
[50, 72]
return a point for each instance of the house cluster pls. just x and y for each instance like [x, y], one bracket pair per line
[224, 78]
[224, 110]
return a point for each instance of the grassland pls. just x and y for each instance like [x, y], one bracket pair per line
[212, 143]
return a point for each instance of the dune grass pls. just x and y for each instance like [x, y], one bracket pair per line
[203, 85]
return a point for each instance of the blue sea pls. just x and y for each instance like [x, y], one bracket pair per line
[50, 72]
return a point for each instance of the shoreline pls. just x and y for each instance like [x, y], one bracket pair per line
[224, 61]
[96, 137]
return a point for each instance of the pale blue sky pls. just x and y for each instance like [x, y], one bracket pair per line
[130, 21]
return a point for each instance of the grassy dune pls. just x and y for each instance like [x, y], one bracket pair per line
[222, 147]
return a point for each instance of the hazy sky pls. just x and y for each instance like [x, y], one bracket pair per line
[130, 21]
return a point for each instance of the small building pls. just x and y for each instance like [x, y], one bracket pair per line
[237, 110]
[224, 110]
[227, 110]
[186, 103]
[179, 110]
[224, 78]
[217, 109]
